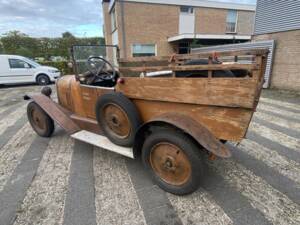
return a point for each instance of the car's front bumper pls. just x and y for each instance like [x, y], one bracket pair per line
[55, 76]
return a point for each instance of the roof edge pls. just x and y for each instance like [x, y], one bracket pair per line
[200, 3]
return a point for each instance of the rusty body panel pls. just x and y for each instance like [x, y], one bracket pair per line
[223, 122]
[87, 124]
[199, 132]
[78, 98]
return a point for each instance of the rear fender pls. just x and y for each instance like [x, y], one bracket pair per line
[186, 124]
[56, 112]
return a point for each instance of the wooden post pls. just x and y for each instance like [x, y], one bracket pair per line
[209, 71]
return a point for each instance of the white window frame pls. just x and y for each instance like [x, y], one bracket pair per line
[155, 48]
[236, 22]
[113, 19]
[191, 10]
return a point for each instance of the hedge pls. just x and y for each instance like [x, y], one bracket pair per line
[62, 66]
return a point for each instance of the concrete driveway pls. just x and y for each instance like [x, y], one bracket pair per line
[62, 181]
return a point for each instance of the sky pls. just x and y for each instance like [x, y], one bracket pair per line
[50, 18]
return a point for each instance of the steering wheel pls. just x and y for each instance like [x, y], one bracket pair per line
[96, 65]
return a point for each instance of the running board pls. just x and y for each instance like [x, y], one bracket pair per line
[102, 142]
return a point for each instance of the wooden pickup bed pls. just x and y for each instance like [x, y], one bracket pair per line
[224, 105]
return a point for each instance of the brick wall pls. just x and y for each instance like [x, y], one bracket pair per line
[286, 64]
[155, 23]
[245, 24]
[150, 24]
[213, 21]
[210, 21]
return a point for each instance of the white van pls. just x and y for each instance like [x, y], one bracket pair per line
[18, 69]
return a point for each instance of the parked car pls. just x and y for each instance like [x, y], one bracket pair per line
[170, 123]
[16, 69]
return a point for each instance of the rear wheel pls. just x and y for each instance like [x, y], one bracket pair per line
[43, 79]
[174, 161]
[40, 121]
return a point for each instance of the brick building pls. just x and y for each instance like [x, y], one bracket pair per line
[163, 27]
[284, 28]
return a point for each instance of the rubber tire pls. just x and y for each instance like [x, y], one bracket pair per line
[192, 152]
[42, 76]
[48, 120]
[129, 108]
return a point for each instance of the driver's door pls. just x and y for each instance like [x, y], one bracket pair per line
[82, 60]
[89, 96]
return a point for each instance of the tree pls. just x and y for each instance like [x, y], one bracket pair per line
[15, 42]
[1, 48]
[67, 34]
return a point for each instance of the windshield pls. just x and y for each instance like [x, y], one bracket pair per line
[32, 62]
[82, 53]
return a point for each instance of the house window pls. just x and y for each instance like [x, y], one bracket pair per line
[113, 20]
[187, 9]
[231, 21]
[139, 50]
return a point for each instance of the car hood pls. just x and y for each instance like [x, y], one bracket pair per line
[47, 68]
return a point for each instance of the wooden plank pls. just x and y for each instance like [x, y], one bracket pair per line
[260, 51]
[231, 92]
[224, 122]
[235, 66]
[255, 52]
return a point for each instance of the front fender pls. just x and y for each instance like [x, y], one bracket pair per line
[56, 112]
[41, 72]
[196, 130]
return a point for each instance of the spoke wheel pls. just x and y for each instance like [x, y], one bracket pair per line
[170, 163]
[116, 120]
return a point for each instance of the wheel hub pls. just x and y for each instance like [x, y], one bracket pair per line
[38, 119]
[117, 121]
[170, 163]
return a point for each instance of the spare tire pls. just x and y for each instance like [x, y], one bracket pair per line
[118, 118]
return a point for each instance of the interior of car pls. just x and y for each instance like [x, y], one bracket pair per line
[100, 73]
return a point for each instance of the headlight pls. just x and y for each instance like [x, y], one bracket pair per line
[53, 71]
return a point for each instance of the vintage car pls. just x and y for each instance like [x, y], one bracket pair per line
[169, 111]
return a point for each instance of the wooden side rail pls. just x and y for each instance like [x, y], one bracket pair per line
[235, 66]
[135, 66]
[254, 52]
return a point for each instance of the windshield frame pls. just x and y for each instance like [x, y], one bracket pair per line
[75, 67]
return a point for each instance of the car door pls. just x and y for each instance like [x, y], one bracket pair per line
[20, 71]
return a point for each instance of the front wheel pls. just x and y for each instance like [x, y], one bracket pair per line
[40, 121]
[118, 118]
[43, 80]
[174, 161]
